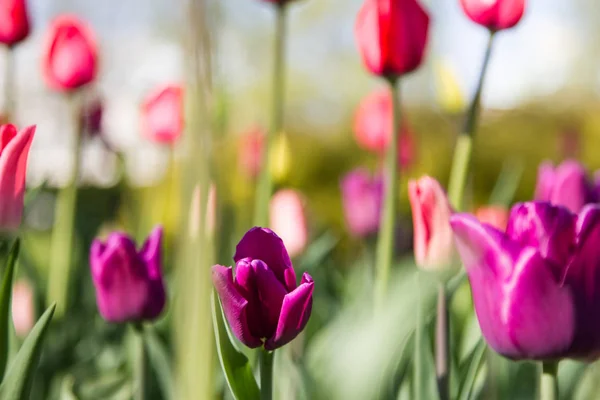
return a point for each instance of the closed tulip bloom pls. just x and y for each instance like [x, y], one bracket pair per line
[262, 303]
[431, 210]
[129, 282]
[567, 185]
[362, 198]
[391, 36]
[288, 220]
[162, 114]
[14, 22]
[494, 14]
[536, 288]
[14, 151]
[494, 215]
[70, 55]
[23, 307]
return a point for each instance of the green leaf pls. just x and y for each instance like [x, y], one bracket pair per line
[507, 183]
[318, 250]
[18, 380]
[236, 368]
[32, 194]
[472, 366]
[160, 361]
[5, 299]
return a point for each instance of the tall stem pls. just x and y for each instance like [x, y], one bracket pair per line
[265, 182]
[140, 363]
[9, 85]
[464, 145]
[266, 374]
[419, 375]
[549, 381]
[385, 241]
[64, 226]
[442, 344]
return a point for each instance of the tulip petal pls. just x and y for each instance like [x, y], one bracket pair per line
[234, 305]
[571, 187]
[152, 255]
[295, 311]
[263, 244]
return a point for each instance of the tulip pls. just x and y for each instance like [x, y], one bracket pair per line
[14, 22]
[14, 150]
[129, 283]
[23, 307]
[162, 114]
[536, 288]
[494, 14]
[362, 197]
[251, 151]
[70, 55]
[431, 210]
[496, 216]
[287, 217]
[263, 304]
[391, 36]
[566, 185]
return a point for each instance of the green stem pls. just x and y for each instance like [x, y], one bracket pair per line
[265, 182]
[385, 243]
[9, 85]
[140, 363]
[464, 145]
[418, 363]
[442, 342]
[549, 381]
[266, 374]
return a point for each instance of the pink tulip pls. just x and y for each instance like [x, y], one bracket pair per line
[251, 151]
[431, 210]
[14, 22]
[496, 216]
[494, 14]
[162, 114]
[362, 196]
[288, 220]
[23, 307]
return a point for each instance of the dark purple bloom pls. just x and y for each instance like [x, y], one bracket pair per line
[263, 303]
[362, 197]
[129, 283]
[536, 288]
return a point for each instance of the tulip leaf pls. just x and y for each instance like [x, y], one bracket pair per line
[318, 250]
[507, 183]
[236, 367]
[160, 361]
[472, 364]
[18, 379]
[5, 300]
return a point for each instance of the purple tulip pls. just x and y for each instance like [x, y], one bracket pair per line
[536, 288]
[262, 303]
[362, 196]
[129, 283]
[567, 185]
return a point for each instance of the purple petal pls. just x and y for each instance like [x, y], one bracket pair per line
[571, 188]
[295, 312]
[234, 305]
[152, 255]
[263, 244]
[545, 180]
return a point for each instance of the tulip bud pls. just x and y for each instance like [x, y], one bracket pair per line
[262, 303]
[129, 283]
[23, 307]
[494, 14]
[162, 114]
[431, 210]
[391, 36]
[496, 216]
[287, 218]
[14, 22]
[251, 151]
[14, 150]
[362, 197]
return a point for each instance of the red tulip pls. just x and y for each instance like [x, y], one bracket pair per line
[391, 35]
[14, 22]
[70, 55]
[251, 150]
[162, 114]
[494, 14]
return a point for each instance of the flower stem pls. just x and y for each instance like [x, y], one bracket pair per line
[9, 85]
[442, 344]
[266, 374]
[140, 363]
[265, 180]
[385, 241]
[464, 145]
[549, 381]
[419, 374]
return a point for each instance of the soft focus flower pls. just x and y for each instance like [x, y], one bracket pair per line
[280, 158]
[566, 185]
[494, 14]
[251, 151]
[536, 288]
[496, 216]
[286, 213]
[450, 96]
[263, 303]
[91, 116]
[70, 55]
[431, 210]
[162, 114]
[129, 283]
[14, 150]
[14, 22]
[362, 198]
[373, 126]
[391, 36]
[23, 307]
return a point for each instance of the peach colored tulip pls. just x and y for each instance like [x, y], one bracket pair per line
[288, 220]
[496, 216]
[23, 307]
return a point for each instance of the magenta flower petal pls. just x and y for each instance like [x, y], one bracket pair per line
[567, 185]
[295, 311]
[152, 255]
[263, 244]
[234, 305]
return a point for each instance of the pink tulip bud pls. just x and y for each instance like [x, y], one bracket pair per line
[496, 216]
[494, 14]
[251, 150]
[162, 114]
[288, 220]
[362, 196]
[23, 307]
[14, 22]
[431, 210]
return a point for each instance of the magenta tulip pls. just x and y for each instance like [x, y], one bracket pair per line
[494, 14]
[162, 114]
[14, 22]
[362, 197]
